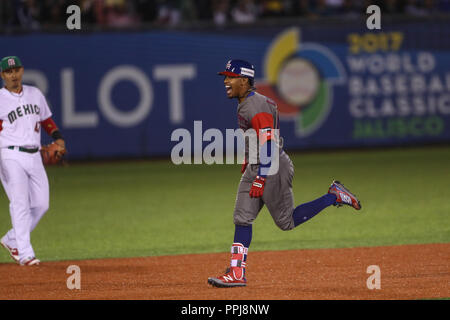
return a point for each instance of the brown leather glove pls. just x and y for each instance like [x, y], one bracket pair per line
[53, 152]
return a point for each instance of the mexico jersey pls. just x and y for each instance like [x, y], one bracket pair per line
[259, 113]
[20, 117]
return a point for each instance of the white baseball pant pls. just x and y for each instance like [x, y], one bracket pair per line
[26, 184]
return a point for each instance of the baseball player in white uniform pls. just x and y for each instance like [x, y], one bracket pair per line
[23, 111]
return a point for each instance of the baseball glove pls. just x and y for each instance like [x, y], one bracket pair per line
[52, 153]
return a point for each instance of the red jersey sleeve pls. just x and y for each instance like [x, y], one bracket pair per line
[262, 123]
[49, 126]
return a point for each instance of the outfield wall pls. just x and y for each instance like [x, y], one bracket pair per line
[123, 94]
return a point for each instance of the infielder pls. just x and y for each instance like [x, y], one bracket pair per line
[258, 188]
[23, 111]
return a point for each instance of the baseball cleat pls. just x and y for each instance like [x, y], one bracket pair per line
[344, 196]
[30, 261]
[228, 280]
[13, 252]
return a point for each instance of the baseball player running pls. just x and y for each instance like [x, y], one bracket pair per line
[23, 111]
[257, 188]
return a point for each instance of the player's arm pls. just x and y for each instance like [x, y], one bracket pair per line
[262, 123]
[52, 130]
[47, 122]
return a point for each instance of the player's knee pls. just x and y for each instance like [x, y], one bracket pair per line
[41, 207]
[241, 221]
[45, 207]
[285, 225]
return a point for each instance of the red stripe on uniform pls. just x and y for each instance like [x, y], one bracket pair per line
[49, 126]
[263, 120]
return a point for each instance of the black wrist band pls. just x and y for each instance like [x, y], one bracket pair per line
[57, 135]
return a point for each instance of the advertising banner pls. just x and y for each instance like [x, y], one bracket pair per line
[124, 94]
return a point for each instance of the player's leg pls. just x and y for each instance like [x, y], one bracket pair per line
[278, 195]
[8, 241]
[337, 195]
[279, 198]
[308, 210]
[246, 209]
[38, 190]
[245, 212]
[39, 200]
[16, 182]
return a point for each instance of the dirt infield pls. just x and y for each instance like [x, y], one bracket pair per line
[407, 272]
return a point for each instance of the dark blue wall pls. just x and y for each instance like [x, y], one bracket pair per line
[123, 94]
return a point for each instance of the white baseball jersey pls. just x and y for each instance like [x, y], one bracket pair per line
[21, 115]
[22, 173]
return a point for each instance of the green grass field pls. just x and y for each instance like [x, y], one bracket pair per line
[146, 208]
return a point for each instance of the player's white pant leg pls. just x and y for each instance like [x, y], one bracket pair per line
[39, 199]
[10, 238]
[39, 191]
[37, 212]
[15, 181]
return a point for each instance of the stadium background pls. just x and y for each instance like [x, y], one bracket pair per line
[122, 94]
[376, 114]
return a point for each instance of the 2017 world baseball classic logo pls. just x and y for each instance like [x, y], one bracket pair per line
[300, 78]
